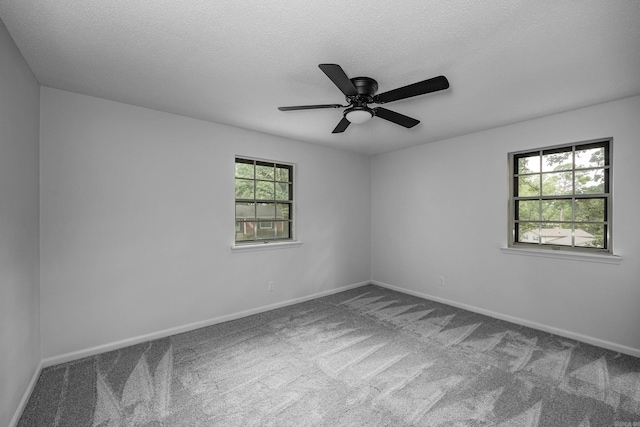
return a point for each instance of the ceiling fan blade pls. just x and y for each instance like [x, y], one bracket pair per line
[339, 78]
[342, 126]
[426, 86]
[397, 118]
[311, 107]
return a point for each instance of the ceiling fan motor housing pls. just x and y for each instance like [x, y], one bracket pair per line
[359, 112]
[365, 85]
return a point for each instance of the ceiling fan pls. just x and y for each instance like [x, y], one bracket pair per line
[360, 91]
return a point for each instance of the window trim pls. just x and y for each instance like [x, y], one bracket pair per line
[265, 246]
[566, 255]
[561, 251]
[271, 243]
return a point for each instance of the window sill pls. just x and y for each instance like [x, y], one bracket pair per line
[250, 247]
[606, 259]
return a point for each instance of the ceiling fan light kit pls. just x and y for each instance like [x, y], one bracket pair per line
[358, 114]
[361, 91]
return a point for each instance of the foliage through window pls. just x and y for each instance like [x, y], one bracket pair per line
[561, 197]
[264, 201]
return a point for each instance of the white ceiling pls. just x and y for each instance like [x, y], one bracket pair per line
[235, 62]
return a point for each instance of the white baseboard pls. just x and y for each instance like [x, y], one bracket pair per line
[68, 357]
[26, 395]
[539, 326]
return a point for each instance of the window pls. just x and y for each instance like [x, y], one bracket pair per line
[264, 201]
[560, 197]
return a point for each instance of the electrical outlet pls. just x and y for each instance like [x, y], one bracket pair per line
[441, 280]
[272, 284]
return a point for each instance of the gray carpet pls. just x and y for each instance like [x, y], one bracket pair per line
[365, 357]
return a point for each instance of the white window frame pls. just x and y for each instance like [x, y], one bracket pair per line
[587, 253]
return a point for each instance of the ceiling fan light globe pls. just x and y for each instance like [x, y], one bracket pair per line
[358, 116]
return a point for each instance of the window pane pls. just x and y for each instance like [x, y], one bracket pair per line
[590, 235]
[590, 181]
[265, 225]
[592, 210]
[557, 184]
[590, 158]
[266, 211]
[282, 191]
[245, 231]
[528, 210]
[529, 185]
[527, 232]
[556, 234]
[282, 174]
[244, 189]
[264, 190]
[266, 233]
[557, 210]
[528, 164]
[557, 161]
[283, 229]
[282, 211]
[244, 170]
[265, 172]
[245, 210]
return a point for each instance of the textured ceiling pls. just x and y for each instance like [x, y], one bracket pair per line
[235, 62]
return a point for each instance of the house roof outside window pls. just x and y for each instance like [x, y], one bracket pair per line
[558, 236]
[262, 211]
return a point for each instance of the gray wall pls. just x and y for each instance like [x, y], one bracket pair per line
[454, 194]
[137, 223]
[19, 244]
